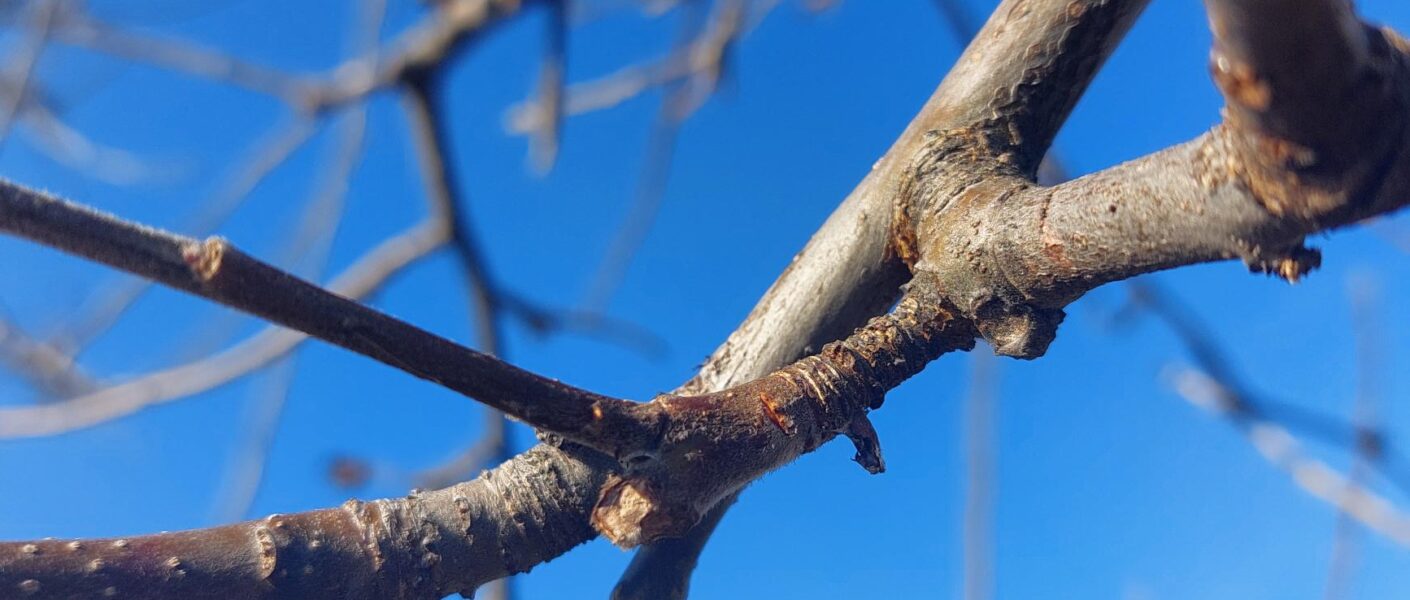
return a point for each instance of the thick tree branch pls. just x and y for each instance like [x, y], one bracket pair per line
[1309, 88]
[423, 546]
[1022, 73]
[853, 267]
[993, 255]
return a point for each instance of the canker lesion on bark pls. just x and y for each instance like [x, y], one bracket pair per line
[989, 252]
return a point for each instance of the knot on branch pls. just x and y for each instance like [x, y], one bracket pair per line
[1017, 330]
[983, 248]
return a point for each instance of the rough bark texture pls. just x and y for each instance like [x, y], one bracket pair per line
[426, 545]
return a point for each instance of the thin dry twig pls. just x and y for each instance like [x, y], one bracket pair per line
[1215, 387]
[24, 63]
[978, 528]
[245, 475]
[368, 274]
[108, 305]
[1365, 418]
[706, 54]
[1280, 448]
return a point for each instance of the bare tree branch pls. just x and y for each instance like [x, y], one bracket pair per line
[216, 270]
[365, 276]
[25, 62]
[245, 475]
[422, 546]
[50, 371]
[681, 99]
[854, 266]
[109, 306]
[992, 254]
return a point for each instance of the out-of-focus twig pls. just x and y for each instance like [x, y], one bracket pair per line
[978, 529]
[695, 57]
[245, 475]
[49, 371]
[544, 141]
[23, 63]
[1365, 417]
[433, 40]
[77, 27]
[364, 277]
[1215, 387]
[69, 147]
[1284, 451]
[682, 98]
[109, 304]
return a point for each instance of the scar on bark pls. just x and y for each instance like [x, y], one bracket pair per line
[204, 258]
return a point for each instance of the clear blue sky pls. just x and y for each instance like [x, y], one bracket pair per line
[1109, 485]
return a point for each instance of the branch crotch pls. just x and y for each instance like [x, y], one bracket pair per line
[714, 444]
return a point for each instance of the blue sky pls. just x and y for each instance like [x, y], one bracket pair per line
[1108, 484]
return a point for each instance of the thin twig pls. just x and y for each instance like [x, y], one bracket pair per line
[48, 370]
[433, 40]
[544, 143]
[682, 97]
[1281, 449]
[1365, 417]
[25, 62]
[245, 475]
[979, 432]
[77, 27]
[108, 307]
[1215, 387]
[216, 270]
[368, 274]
